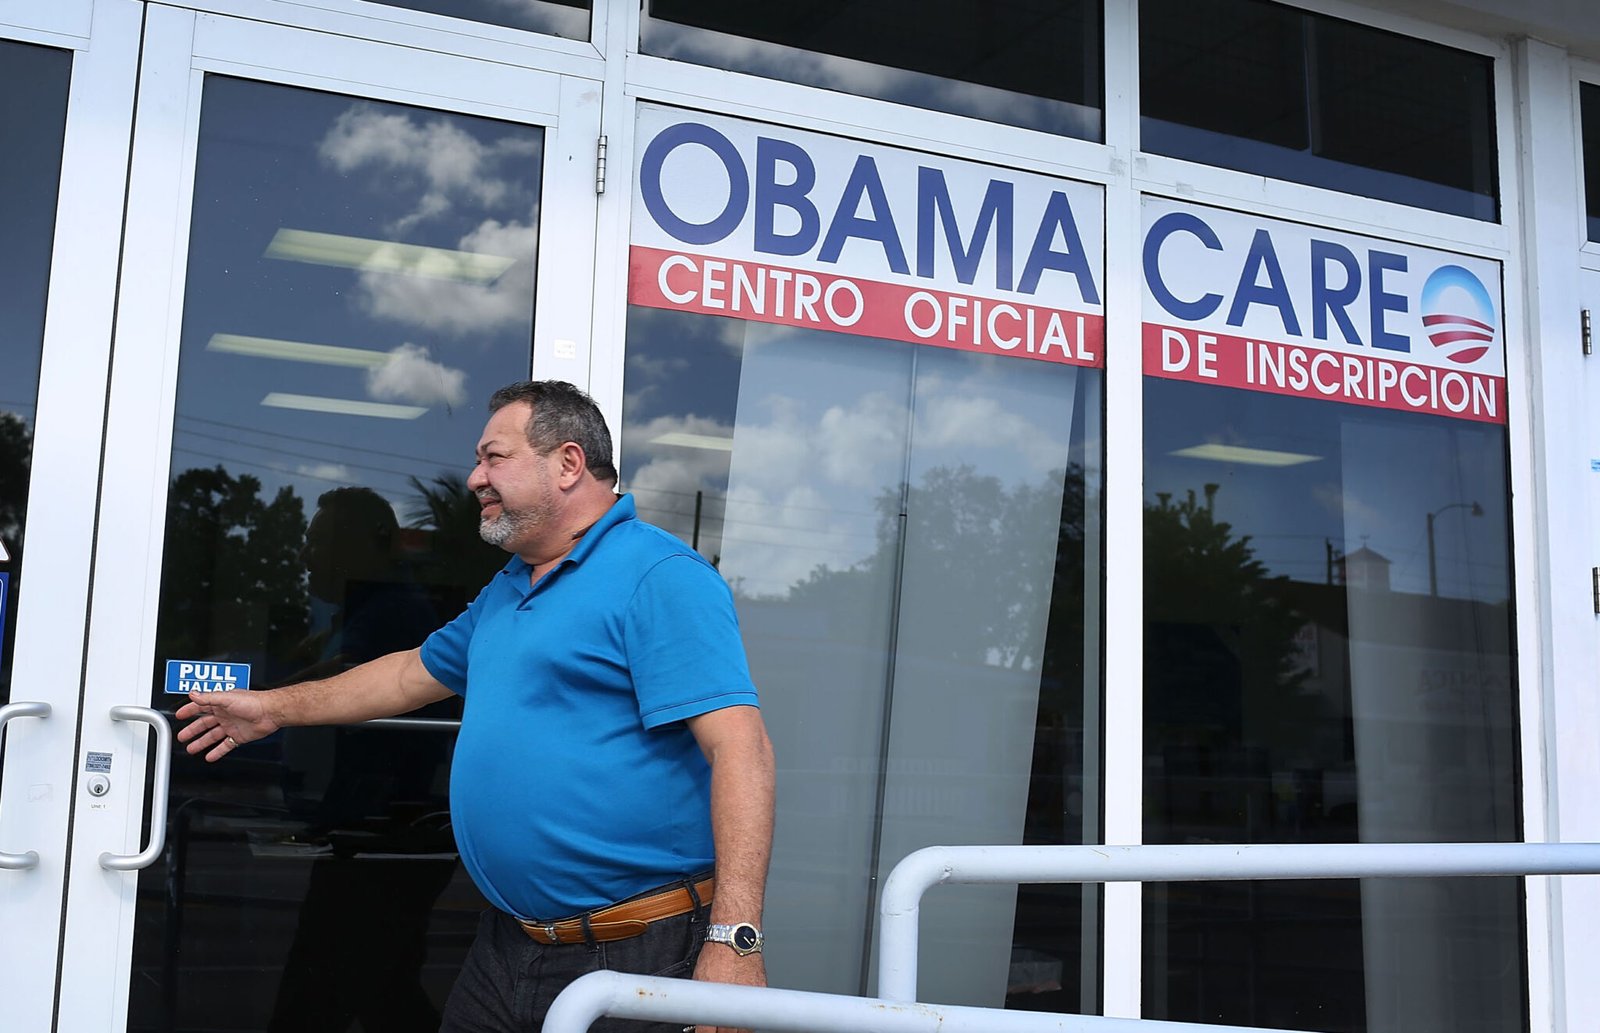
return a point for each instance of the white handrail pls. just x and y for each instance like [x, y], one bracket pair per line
[894, 1011]
[931, 866]
[624, 996]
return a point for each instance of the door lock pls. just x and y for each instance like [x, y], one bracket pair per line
[98, 785]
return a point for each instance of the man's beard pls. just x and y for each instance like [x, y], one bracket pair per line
[511, 525]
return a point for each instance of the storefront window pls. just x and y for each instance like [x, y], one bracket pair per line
[1589, 96]
[909, 521]
[565, 18]
[1328, 622]
[33, 117]
[1285, 93]
[1034, 64]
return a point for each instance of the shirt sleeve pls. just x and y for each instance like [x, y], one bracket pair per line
[683, 645]
[444, 653]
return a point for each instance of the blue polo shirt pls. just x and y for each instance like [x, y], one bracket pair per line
[575, 781]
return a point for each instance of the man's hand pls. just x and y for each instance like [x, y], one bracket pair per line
[222, 721]
[719, 964]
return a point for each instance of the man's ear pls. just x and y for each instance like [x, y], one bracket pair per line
[574, 464]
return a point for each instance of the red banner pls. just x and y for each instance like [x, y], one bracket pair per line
[1371, 379]
[866, 308]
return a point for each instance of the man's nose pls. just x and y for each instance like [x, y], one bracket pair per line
[477, 478]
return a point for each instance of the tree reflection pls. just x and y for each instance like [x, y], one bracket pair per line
[16, 451]
[457, 554]
[960, 520]
[232, 583]
[16, 447]
[1224, 680]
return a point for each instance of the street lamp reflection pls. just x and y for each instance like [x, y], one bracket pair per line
[1433, 563]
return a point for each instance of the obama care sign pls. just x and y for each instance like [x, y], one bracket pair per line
[775, 225]
[1242, 301]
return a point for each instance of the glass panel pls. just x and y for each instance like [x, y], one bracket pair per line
[1328, 658]
[1031, 63]
[566, 18]
[913, 594]
[361, 277]
[888, 441]
[33, 118]
[1280, 92]
[1590, 101]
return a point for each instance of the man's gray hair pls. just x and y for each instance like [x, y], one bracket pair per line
[562, 413]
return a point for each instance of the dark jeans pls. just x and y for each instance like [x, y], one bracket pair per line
[508, 982]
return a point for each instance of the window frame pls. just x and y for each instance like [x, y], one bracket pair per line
[1126, 175]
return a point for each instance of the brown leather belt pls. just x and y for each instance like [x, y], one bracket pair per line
[624, 920]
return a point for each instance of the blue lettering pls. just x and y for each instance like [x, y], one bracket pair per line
[1274, 293]
[771, 195]
[1381, 301]
[879, 225]
[1178, 222]
[1326, 300]
[650, 186]
[1058, 216]
[994, 215]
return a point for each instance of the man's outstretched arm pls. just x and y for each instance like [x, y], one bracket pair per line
[389, 685]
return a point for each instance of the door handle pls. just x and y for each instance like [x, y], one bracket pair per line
[158, 796]
[28, 858]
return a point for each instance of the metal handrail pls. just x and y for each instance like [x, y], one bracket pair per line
[688, 1001]
[936, 865]
[893, 1011]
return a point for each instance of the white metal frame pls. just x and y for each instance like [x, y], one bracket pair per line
[361, 19]
[180, 48]
[1563, 276]
[39, 787]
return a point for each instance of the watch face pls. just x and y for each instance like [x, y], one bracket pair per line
[745, 937]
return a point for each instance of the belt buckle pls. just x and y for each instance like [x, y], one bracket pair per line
[550, 931]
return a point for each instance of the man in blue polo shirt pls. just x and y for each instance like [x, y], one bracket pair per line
[611, 752]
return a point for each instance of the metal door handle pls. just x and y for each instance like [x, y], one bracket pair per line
[28, 858]
[158, 797]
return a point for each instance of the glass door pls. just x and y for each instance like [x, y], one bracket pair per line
[66, 97]
[335, 251]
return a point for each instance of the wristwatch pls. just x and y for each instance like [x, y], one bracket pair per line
[744, 938]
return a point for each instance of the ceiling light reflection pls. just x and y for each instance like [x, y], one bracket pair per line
[296, 351]
[1247, 456]
[387, 256]
[342, 406]
[688, 440]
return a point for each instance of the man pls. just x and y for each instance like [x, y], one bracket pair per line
[610, 739]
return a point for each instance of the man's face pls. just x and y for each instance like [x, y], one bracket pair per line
[515, 485]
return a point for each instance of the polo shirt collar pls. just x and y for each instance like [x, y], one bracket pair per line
[621, 510]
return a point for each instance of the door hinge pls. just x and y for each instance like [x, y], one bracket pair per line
[600, 168]
[1588, 335]
[1594, 572]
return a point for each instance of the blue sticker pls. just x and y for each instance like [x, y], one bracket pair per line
[1594, 464]
[5, 593]
[186, 676]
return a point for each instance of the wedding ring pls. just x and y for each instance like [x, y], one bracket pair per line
[230, 741]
